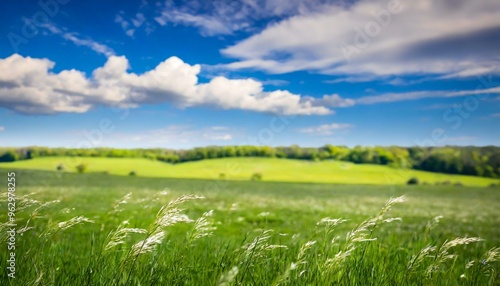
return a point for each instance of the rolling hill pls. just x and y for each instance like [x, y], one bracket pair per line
[272, 169]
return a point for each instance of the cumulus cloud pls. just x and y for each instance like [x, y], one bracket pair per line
[325, 129]
[379, 37]
[27, 85]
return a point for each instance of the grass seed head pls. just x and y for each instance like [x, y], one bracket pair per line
[120, 202]
[120, 235]
[492, 255]
[433, 222]
[417, 259]
[74, 221]
[443, 255]
[149, 244]
[304, 248]
[260, 245]
[203, 226]
[335, 263]
[460, 241]
[170, 214]
[227, 278]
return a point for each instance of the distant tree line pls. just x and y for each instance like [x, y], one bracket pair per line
[477, 161]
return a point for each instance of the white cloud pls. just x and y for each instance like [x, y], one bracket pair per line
[437, 106]
[453, 38]
[75, 39]
[416, 95]
[275, 82]
[136, 22]
[335, 100]
[459, 139]
[130, 32]
[225, 17]
[210, 26]
[172, 136]
[352, 79]
[217, 137]
[325, 129]
[2, 128]
[218, 128]
[475, 71]
[120, 20]
[28, 86]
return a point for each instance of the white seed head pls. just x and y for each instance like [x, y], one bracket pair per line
[149, 244]
[74, 221]
[228, 278]
[169, 215]
[492, 255]
[393, 219]
[460, 241]
[120, 235]
[434, 222]
[203, 226]
[120, 202]
[469, 264]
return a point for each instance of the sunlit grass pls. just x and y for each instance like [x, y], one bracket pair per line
[277, 170]
[106, 230]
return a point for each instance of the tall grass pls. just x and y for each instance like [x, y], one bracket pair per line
[173, 248]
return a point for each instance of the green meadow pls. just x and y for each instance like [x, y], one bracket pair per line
[203, 229]
[272, 170]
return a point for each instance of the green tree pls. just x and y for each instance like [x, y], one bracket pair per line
[9, 156]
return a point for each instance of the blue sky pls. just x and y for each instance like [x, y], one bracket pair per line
[179, 74]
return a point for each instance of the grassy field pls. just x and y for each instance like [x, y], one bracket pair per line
[109, 230]
[274, 170]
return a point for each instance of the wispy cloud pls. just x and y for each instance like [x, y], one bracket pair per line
[459, 140]
[437, 106]
[275, 82]
[365, 38]
[217, 137]
[130, 26]
[334, 100]
[352, 79]
[416, 95]
[495, 115]
[209, 25]
[218, 128]
[173, 136]
[2, 128]
[325, 129]
[77, 40]
[226, 17]
[120, 20]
